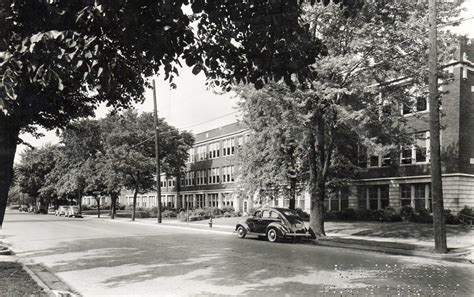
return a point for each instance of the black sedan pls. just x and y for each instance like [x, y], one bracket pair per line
[273, 224]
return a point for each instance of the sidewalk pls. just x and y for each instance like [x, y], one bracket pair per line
[401, 238]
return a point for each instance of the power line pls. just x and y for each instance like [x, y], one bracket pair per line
[207, 121]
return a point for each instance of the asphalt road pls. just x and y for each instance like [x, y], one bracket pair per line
[107, 258]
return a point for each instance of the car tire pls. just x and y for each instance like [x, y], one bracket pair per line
[241, 232]
[272, 235]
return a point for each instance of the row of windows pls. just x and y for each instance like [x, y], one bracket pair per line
[416, 195]
[203, 177]
[418, 153]
[216, 149]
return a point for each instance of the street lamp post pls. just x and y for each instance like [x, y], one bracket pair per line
[157, 155]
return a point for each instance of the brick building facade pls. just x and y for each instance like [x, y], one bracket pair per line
[212, 168]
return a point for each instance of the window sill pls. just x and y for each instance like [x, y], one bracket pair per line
[416, 113]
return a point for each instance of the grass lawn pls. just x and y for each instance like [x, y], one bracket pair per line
[14, 281]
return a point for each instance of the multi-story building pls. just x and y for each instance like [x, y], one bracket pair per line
[212, 169]
[210, 177]
[406, 181]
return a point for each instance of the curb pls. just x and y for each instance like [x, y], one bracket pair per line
[50, 282]
[5, 251]
[453, 257]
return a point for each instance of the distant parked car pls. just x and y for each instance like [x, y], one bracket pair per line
[274, 223]
[73, 211]
[32, 208]
[62, 209]
[23, 207]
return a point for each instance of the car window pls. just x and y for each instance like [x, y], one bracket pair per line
[274, 215]
[258, 214]
[266, 214]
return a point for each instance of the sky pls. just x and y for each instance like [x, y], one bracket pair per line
[194, 107]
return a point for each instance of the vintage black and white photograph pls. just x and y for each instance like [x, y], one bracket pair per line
[236, 148]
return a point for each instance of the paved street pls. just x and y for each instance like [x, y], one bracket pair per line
[123, 258]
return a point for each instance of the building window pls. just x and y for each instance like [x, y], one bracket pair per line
[419, 102]
[240, 142]
[228, 147]
[213, 175]
[198, 176]
[379, 161]
[405, 195]
[419, 151]
[214, 150]
[191, 155]
[228, 174]
[374, 161]
[417, 195]
[372, 197]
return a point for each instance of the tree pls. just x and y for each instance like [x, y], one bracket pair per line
[130, 150]
[35, 165]
[337, 112]
[59, 59]
[270, 162]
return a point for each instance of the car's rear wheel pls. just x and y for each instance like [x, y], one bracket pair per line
[241, 232]
[272, 235]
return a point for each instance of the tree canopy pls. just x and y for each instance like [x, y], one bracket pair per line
[59, 59]
[352, 101]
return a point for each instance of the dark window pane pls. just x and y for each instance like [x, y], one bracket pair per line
[421, 154]
[421, 104]
[406, 156]
[419, 204]
[374, 161]
[373, 203]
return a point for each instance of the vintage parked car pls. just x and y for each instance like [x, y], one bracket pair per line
[274, 223]
[73, 211]
[23, 207]
[62, 209]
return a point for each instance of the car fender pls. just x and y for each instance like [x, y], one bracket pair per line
[281, 229]
[245, 225]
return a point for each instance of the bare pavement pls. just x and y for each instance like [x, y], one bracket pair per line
[109, 258]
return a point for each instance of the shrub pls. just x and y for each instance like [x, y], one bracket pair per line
[348, 214]
[378, 215]
[467, 211]
[422, 216]
[331, 216]
[465, 215]
[86, 207]
[391, 215]
[407, 213]
[169, 213]
[450, 218]
[363, 215]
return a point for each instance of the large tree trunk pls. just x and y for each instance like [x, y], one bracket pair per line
[97, 199]
[113, 200]
[292, 193]
[8, 143]
[79, 201]
[134, 206]
[316, 222]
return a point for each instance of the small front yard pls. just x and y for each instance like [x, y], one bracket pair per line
[15, 281]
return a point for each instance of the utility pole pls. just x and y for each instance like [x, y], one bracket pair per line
[157, 154]
[435, 151]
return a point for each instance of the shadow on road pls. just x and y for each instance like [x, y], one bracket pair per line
[213, 264]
